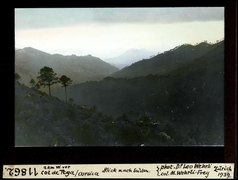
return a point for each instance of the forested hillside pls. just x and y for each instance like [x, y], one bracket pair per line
[187, 95]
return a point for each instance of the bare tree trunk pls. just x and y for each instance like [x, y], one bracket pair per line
[65, 94]
[49, 90]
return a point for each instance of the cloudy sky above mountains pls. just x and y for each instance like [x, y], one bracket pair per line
[108, 32]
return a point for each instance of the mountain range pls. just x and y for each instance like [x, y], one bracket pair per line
[29, 61]
[173, 98]
[183, 87]
[168, 61]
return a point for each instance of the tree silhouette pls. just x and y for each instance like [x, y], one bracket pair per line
[32, 83]
[65, 81]
[47, 77]
[37, 85]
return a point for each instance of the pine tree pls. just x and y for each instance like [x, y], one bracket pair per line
[47, 77]
[65, 81]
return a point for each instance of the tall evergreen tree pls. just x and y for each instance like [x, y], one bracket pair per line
[65, 81]
[47, 77]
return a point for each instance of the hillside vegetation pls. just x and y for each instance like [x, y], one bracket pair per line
[182, 88]
[42, 120]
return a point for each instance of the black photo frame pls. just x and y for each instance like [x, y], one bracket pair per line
[109, 155]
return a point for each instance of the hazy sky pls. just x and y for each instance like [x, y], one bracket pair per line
[108, 32]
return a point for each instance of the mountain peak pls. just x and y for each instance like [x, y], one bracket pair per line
[203, 44]
[33, 51]
[29, 48]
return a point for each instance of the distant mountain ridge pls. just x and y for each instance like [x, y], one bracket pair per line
[168, 61]
[28, 62]
[129, 57]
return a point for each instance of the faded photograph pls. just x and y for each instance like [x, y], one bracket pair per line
[119, 76]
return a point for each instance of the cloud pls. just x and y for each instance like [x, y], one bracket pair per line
[60, 17]
[161, 15]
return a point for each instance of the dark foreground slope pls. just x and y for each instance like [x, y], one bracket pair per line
[41, 120]
[187, 102]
